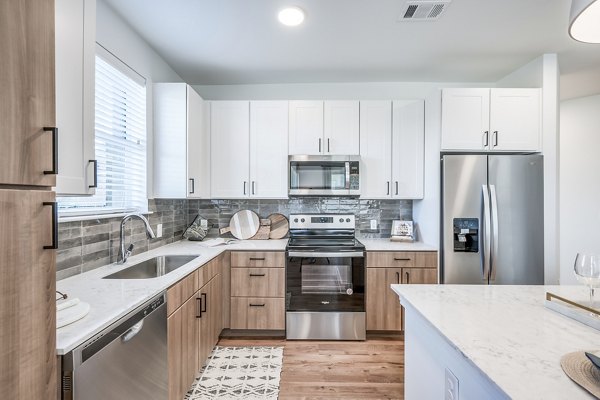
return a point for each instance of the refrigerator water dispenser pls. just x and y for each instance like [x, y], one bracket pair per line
[466, 235]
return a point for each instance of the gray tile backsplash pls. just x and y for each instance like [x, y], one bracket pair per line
[85, 245]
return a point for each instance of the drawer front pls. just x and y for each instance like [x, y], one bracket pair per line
[427, 259]
[389, 259]
[209, 271]
[257, 313]
[180, 292]
[258, 282]
[258, 259]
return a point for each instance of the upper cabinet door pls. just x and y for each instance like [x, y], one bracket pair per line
[198, 146]
[376, 149]
[268, 149]
[306, 127]
[230, 149]
[341, 127]
[515, 120]
[27, 99]
[408, 149]
[75, 78]
[465, 119]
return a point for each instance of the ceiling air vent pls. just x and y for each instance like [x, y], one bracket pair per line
[423, 10]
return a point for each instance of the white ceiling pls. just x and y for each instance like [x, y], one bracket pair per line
[241, 41]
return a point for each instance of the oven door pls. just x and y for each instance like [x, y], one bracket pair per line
[325, 282]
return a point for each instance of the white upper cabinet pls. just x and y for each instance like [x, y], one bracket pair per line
[181, 142]
[515, 120]
[306, 127]
[268, 149]
[375, 149]
[75, 40]
[230, 143]
[408, 149]
[341, 127]
[491, 119]
[465, 119]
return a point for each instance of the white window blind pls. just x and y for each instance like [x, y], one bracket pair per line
[120, 139]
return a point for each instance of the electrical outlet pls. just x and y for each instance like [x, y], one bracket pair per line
[159, 230]
[373, 224]
[451, 386]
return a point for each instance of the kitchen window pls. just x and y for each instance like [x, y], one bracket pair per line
[120, 140]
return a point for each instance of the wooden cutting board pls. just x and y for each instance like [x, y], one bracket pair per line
[280, 226]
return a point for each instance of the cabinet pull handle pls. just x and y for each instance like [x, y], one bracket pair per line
[328, 150]
[95, 185]
[257, 259]
[204, 302]
[486, 138]
[388, 188]
[244, 187]
[54, 206]
[495, 138]
[193, 182]
[54, 131]
[398, 277]
[319, 145]
[401, 259]
[199, 307]
[396, 188]
[252, 187]
[256, 305]
[407, 277]
[257, 275]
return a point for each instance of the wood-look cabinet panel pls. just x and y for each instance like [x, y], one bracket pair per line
[386, 259]
[257, 313]
[258, 259]
[383, 306]
[258, 282]
[183, 345]
[27, 284]
[27, 95]
[180, 292]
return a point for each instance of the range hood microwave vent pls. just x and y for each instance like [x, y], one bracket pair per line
[423, 10]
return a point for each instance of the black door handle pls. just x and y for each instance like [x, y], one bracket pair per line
[54, 206]
[54, 131]
[95, 185]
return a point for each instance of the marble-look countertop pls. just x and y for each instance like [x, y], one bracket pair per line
[507, 333]
[388, 245]
[111, 299]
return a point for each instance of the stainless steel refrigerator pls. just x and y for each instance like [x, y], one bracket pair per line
[492, 219]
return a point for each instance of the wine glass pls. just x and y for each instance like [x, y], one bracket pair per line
[587, 271]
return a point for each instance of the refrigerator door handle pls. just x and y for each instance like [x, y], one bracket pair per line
[494, 255]
[485, 220]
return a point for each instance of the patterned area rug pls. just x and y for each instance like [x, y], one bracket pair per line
[249, 373]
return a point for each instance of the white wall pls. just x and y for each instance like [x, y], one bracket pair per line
[543, 72]
[580, 181]
[426, 211]
[116, 36]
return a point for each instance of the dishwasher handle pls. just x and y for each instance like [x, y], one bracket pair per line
[127, 336]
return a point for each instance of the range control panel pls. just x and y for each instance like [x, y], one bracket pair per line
[322, 221]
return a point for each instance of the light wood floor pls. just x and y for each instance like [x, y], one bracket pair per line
[313, 370]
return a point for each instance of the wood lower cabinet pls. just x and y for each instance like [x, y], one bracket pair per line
[27, 284]
[384, 312]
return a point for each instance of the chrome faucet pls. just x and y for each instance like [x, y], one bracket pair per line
[124, 254]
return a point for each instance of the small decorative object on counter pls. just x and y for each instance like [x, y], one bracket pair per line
[402, 231]
[197, 230]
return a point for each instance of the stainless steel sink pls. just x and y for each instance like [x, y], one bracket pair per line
[152, 268]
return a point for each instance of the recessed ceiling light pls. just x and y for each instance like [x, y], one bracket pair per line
[585, 21]
[291, 16]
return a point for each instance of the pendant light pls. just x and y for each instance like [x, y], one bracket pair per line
[584, 23]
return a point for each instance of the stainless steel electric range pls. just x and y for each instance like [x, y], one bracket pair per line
[325, 278]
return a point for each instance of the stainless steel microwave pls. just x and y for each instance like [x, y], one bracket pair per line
[324, 176]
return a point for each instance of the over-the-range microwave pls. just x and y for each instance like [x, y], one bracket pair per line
[324, 175]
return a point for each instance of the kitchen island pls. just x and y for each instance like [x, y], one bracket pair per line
[498, 341]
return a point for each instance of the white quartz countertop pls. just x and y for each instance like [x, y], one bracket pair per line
[507, 333]
[388, 245]
[111, 299]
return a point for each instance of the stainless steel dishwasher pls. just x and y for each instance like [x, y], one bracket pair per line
[127, 360]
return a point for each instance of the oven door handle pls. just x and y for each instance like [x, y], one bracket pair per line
[314, 254]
